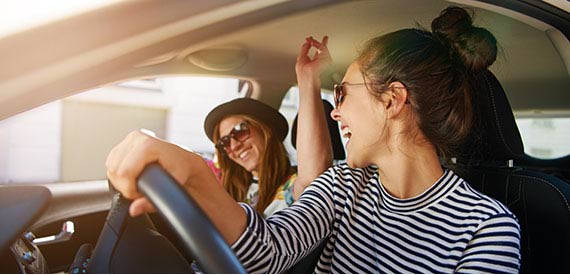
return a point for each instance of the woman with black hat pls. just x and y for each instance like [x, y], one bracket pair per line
[249, 135]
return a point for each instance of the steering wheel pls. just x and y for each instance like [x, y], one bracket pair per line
[199, 236]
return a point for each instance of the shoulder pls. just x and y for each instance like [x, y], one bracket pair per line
[342, 177]
[481, 205]
[343, 172]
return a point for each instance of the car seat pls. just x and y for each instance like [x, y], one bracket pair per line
[308, 263]
[334, 132]
[539, 200]
[559, 167]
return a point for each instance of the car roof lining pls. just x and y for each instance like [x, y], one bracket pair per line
[110, 56]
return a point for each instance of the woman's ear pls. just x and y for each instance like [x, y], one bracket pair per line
[397, 98]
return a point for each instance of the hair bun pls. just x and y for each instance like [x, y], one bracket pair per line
[451, 22]
[476, 47]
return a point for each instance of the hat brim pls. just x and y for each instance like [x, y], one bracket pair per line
[250, 107]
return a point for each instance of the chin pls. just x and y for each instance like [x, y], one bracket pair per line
[250, 168]
[351, 163]
[356, 163]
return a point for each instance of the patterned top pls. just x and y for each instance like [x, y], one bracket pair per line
[283, 198]
[448, 228]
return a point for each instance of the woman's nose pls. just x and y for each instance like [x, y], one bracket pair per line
[335, 114]
[234, 144]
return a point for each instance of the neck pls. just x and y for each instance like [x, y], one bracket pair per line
[409, 169]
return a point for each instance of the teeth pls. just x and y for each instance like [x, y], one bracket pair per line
[242, 155]
[346, 132]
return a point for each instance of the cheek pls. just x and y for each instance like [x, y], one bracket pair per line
[259, 147]
[233, 158]
[370, 125]
[257, 142]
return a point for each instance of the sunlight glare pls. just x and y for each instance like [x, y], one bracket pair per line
[19, 15]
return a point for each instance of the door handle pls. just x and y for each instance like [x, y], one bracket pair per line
[67, 230]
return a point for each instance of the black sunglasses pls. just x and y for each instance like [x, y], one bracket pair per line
[240, 132]
[339, 92]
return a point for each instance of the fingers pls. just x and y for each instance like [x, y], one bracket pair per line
[311, 42]
[321, 46]
[115, 171]
[126, 161]
[314, 64]
[140, 206]
[304, 50]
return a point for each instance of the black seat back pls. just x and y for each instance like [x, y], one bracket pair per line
[334, 133]
[540, 201]
[559, 167]
[308, 263]
[132, 245]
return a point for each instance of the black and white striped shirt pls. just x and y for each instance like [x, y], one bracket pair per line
[448, 228]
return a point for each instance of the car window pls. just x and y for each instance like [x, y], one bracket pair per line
[68, 140]
[545, 137]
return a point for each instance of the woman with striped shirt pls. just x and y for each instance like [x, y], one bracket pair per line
[404, 104]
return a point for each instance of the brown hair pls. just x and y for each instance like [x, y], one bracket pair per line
[437, 68]
[274, 167]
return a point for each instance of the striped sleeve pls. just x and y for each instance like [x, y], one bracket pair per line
[495, 247]
[275, 244]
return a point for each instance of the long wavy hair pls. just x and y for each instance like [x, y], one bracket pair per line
[274, 167]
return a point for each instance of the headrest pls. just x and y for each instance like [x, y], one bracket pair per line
[334, 133]
[496, 135]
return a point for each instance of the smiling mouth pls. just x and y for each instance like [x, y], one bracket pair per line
[243, 154]
[346, 133]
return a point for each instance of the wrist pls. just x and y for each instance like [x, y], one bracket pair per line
[309, 83]
[308, 77]
[198, 171]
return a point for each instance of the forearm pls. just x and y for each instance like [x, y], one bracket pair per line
[314, 149]
[226, 214]
[127, 160]
[273, 245]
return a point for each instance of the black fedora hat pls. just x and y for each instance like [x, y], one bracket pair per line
[250, 107]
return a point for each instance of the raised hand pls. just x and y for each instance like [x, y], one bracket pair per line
[311, 68]
[314, 150]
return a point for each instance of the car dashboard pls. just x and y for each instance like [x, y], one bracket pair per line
[24, 257]
[19, 207]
